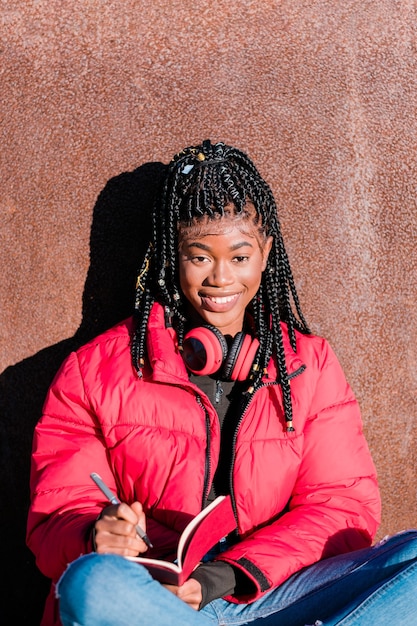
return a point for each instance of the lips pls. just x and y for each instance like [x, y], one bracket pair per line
[218, 304]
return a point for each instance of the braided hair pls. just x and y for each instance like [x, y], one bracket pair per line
[200, 182]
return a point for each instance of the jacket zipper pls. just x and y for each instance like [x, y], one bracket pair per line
[207, 464]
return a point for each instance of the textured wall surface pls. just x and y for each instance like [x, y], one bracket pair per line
[96, 95]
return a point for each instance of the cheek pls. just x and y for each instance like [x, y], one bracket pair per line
[188, 278]
[254, 274]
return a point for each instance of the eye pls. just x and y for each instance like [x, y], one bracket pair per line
[199, 259]
[240, 259]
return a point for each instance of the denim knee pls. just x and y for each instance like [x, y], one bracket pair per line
[78, 572]
[89, 589]
[97, 571]
[399, 549]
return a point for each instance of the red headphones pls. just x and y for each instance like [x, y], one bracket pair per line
[205, 351]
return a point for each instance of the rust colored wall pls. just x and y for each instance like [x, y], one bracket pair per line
[95, 94]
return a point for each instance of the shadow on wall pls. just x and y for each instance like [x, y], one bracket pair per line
[119, 236]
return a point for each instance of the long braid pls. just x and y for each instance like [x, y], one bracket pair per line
[200, 182]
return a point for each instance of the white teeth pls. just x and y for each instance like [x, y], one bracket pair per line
[223, 300]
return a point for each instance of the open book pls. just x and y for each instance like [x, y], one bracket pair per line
[202, 533]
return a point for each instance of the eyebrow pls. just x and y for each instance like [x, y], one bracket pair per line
[202, 246]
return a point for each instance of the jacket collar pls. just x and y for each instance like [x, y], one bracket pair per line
[162, 346]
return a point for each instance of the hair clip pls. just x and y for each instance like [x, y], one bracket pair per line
[187, 168]
[145, 268]
[143, 273]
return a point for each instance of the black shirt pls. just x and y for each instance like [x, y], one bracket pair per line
[219, 394]
[219, 578]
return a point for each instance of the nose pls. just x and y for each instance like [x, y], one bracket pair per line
[221, 274]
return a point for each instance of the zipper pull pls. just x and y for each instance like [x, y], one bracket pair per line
[219, 392]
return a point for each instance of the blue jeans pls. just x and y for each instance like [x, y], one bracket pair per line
[373, 586]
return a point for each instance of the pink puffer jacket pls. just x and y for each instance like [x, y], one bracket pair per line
[298, 496]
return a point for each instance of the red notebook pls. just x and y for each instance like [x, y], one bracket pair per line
[202, 533]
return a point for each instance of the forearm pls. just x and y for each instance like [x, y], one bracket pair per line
[219, 579]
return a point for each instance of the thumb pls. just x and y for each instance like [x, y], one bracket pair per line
[138, 509]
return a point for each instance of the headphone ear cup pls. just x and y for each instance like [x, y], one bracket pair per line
[240, 357]
[204, 350]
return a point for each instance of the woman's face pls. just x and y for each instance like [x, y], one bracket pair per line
[220, 267]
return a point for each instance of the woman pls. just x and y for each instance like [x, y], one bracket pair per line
[215, 386]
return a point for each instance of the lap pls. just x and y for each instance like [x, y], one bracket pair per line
[331, 583]
[364, 581]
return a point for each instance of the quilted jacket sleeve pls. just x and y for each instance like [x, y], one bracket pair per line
[66, 448]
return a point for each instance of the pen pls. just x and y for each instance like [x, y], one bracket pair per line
[115, 500]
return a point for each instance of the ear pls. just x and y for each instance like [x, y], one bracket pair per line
[265, 251]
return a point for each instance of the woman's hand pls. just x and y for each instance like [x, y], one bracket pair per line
[115, 530]
[189, 592]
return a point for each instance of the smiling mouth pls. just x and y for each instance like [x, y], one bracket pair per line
[221, 300]
[219, 303]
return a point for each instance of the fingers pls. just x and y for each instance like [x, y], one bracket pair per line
[141, 517]
[189, 592]
[115, 530]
